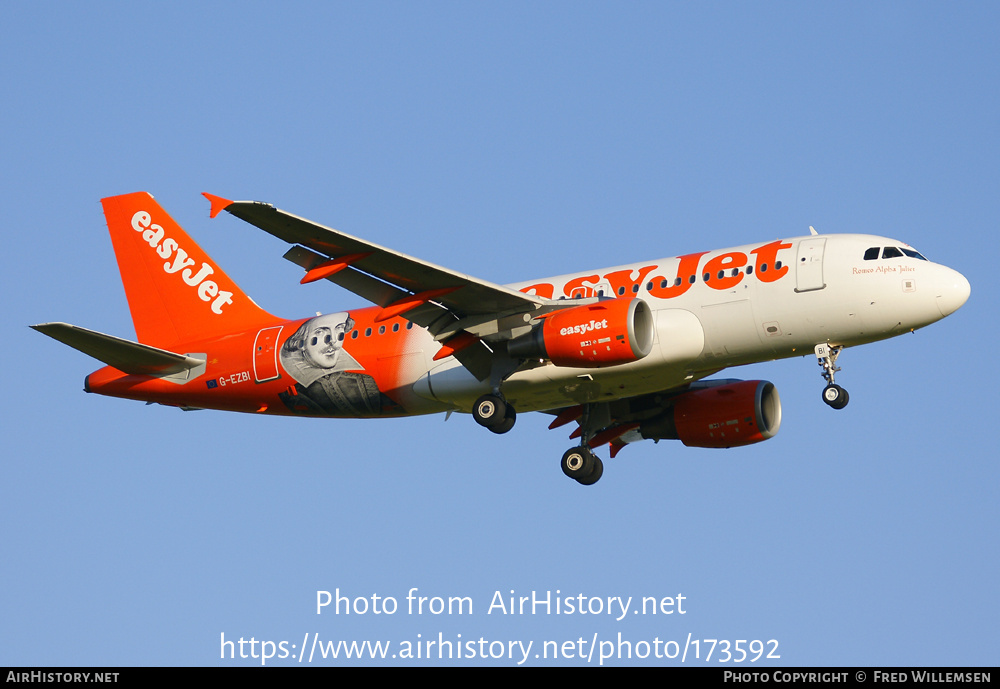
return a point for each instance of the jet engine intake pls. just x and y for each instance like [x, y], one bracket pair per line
[608, 333]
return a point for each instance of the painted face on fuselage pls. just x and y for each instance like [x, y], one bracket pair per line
[323, 344]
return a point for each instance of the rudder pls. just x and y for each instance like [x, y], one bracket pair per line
[176, 292]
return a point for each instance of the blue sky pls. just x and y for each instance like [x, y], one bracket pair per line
[509, 142]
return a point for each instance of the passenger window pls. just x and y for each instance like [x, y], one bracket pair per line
[872, 253]
[891, 252]
[395, 327]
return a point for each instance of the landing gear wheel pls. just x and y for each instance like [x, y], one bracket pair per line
[595, 475]
[494, 413]
[579, 463]
[510, 416]
[836, 396]
[489, 410]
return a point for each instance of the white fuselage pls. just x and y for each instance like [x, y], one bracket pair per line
[726, 308]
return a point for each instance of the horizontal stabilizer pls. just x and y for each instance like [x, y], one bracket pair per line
[125, 355]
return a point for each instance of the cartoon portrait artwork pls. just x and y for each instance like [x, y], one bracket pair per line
[328, 379]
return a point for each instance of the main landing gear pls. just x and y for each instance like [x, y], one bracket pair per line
[493, 412]
[582, 465]
[833, 394]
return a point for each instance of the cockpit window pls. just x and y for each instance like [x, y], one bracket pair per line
[911, 253]
[892, 252]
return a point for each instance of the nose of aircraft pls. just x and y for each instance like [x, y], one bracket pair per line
[953, 291]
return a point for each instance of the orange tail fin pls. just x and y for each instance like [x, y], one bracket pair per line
[175, 291]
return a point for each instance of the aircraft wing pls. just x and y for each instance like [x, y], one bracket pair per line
[471, 317]
[381, 275]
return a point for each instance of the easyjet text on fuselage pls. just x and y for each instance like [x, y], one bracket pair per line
[721, 272]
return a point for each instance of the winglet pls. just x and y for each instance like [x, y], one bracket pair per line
[219, 204]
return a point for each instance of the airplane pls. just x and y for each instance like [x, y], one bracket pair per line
[624, 352]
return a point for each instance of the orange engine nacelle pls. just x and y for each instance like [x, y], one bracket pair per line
[726, 415]
[608, 333]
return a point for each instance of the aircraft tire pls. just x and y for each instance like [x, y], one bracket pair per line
[578, 463]
[836, 396]
[510, 416]
[490, 411]
[595, 475]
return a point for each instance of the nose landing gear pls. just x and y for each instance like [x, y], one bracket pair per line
[833, 394]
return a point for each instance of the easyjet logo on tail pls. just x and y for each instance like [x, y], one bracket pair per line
[167, 248]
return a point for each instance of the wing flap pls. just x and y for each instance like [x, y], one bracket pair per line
[125, 355]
